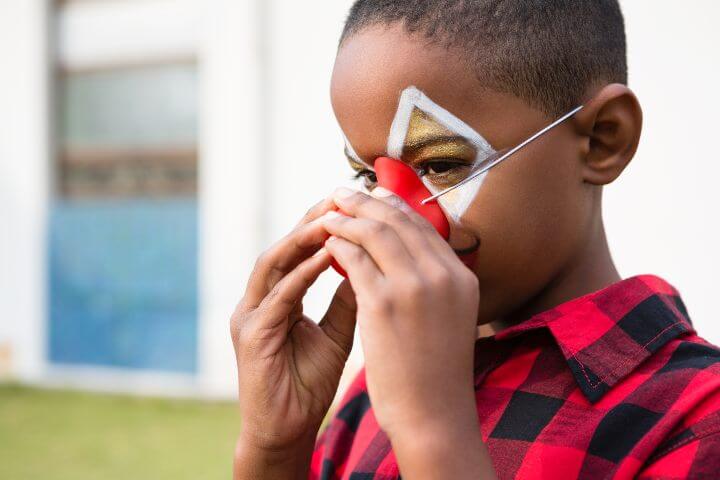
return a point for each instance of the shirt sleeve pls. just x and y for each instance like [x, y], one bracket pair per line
[693, 449]
[316, 462]
[698, 458]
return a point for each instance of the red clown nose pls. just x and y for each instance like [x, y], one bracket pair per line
[404, 182]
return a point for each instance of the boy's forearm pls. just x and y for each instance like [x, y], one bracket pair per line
[444, 451]
[254, 463]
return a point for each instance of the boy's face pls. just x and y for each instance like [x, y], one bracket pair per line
[533, 213]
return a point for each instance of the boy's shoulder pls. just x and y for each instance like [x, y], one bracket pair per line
[623, 379]
[636, 357]
[685, 378]
[682, 391]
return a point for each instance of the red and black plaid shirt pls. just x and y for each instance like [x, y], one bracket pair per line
[615, 384]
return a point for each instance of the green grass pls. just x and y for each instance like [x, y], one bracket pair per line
[59, 435]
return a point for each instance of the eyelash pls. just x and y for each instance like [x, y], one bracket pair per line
[365, 175]
[370, 178]
[453, 164]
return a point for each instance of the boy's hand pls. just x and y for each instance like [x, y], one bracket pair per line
[288, 367]
[417, 313]
[417, 308]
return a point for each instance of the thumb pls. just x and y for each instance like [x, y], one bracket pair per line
[339, 320]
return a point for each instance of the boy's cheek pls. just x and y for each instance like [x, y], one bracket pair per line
[529, 223]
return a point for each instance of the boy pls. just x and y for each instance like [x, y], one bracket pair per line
[588, 375]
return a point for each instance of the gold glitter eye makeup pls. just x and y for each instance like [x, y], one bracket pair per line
[440, 147]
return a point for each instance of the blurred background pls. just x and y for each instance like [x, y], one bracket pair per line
[150, 149]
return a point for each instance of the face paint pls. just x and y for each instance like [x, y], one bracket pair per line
[350, 152]
[420, 121]
[423, 134]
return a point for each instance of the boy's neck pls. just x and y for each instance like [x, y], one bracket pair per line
[593, 269]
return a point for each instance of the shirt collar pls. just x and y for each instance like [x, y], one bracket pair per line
[606, 335]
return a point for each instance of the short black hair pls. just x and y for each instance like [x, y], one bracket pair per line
[549, 53]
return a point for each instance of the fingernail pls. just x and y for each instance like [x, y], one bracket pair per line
[322, 251]
[331, 238]
[381, 192]
[343, 192]
[331, 214]
[327, 215]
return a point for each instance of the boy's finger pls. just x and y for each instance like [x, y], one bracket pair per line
[394, 201]
[388, 197]
[284, 296]
[338, 323]
[378, 239]
[415, 231]
[364, 275]
[281, 258]
[317, 211]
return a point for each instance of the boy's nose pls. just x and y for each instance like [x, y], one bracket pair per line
[403, 181]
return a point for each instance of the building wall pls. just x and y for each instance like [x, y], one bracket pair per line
[269, 148]
[662, 214]
[23, 185]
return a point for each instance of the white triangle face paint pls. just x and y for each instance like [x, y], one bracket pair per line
[350, 151]
[412, 98]
[454, 203]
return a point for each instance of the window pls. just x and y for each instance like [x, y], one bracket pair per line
[128, 132]
[123, 223]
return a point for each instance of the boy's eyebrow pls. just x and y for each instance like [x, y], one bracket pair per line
[425, 130]
[414, 146]
[353, 163]
[359, 162]
[432, 140]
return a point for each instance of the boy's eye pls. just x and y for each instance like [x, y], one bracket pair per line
[444, 173]
[434, 168]
[368, 177]
[437, 171]
[439, 167]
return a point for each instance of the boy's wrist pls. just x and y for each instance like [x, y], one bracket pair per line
[435, 434]
[455, 444]
[458, 415]
[257, 461]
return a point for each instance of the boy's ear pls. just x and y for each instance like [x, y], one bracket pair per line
[612, 122]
